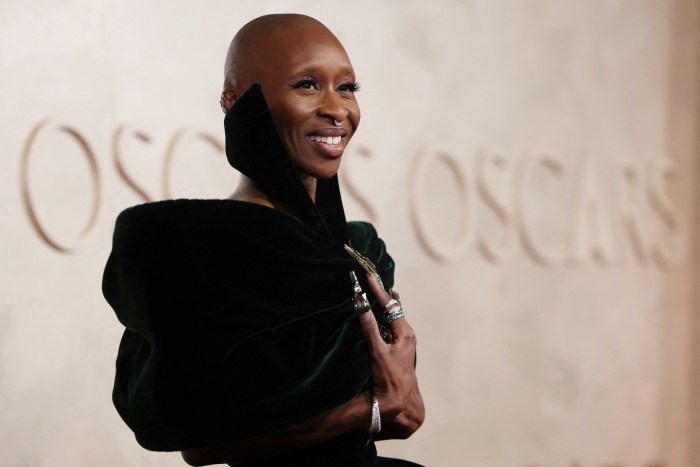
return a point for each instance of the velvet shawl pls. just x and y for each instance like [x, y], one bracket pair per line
[239, 317]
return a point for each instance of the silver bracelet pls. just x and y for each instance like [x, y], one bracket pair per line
[375, 425]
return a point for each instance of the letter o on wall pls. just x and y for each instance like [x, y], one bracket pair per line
[179, 136]
[29, 204]
[438, 249]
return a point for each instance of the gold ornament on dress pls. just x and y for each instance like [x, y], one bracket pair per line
[365, 263]
[360, 298]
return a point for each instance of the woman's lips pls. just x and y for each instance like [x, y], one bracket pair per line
[329, 141]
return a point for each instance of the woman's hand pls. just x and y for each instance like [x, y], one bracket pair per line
[395, 383]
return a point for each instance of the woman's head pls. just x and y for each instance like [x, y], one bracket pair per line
[308, 83]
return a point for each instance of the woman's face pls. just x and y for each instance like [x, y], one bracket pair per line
[308, 83]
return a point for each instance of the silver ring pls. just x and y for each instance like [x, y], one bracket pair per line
[395, 295]
[390, 303]
[337, 122]
[395, 314]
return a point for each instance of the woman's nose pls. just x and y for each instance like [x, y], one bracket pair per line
[332, 106]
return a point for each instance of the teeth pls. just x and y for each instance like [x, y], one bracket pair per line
[326, 139]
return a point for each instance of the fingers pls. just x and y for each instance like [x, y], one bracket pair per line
[378, 290]
[369, 327]
[392, 362]
[398, 326]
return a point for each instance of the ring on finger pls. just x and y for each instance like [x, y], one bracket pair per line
[395, 295]
[395, 314]
[390, 304]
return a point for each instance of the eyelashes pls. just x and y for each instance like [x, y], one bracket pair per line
[311, 83]
[304, 83]
[351, 87]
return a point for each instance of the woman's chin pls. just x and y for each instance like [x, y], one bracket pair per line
[326, 172]
[327, 175]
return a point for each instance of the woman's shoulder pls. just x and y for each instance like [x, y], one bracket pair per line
[363, 236]
[179, 224]
[204, 213]
[362, 228]
[183, 221]
[187, 209]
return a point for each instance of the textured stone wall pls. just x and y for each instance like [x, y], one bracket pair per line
[532, 165]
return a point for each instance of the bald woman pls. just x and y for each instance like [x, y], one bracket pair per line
[253, 323]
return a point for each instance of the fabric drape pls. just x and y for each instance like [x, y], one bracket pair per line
[238, 317]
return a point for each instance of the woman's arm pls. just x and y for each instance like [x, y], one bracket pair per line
[394, 384]
[354, 415]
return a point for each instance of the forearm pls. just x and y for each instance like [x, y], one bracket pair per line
[354, 415]
[407, 422]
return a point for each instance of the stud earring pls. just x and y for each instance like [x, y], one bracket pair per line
[221, 103]
[224, 96]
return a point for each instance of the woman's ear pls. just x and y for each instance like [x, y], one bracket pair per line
[228, 98]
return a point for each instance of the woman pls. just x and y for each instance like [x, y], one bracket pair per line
[243, 343]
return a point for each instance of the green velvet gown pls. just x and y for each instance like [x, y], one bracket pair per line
[239, 317]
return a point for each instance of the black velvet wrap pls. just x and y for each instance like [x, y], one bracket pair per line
[238, 317]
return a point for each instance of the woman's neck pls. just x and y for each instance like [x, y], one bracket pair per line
[248, 190]
[310, 185]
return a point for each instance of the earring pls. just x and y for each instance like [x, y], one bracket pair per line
[226, 95]
[221, 103]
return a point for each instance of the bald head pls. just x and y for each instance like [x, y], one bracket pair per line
[262, 36]
[308, 83]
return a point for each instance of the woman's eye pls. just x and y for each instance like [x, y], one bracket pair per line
[349, 87]
[306, 83]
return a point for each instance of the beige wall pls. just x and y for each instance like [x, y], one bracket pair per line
[532, 164]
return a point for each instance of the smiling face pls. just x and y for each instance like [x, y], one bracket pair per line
[308, 83]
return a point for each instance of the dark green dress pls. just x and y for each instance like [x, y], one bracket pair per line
[239, 319]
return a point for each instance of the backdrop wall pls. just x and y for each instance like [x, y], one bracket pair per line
[532, 165]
